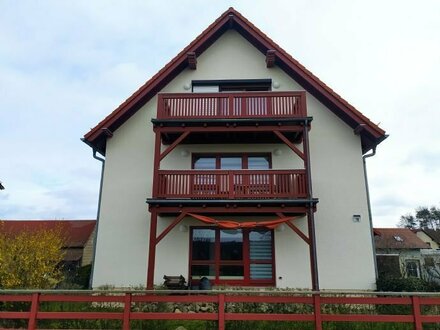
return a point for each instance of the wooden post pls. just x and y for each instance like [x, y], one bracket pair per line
[317, 311]
[310, 215]
[32, 324]
[221, 311]
[127, 310]
[416, 312]
[152, 250]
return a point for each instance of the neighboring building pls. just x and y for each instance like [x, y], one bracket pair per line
[429, 236]
[400, 252]
[78, 237]
[234, 128]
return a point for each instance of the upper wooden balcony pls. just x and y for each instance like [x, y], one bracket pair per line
[231, 184]
[243, 105]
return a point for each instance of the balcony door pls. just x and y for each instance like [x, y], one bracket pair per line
[232, 256]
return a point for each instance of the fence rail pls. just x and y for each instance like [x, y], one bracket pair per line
[237, 184]
[221, 314]
[232, 105]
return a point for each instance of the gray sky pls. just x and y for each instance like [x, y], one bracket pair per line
[65, 65]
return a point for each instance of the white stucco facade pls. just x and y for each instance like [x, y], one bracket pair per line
[344, 247]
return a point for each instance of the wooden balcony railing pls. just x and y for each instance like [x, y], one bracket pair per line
[232, 105]
[237, 184]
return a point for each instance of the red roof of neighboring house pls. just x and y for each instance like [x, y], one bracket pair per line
[77, 232]
[370, 133]
[398, 238]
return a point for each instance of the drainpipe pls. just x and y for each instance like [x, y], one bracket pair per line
[370, 217]
[102, 160]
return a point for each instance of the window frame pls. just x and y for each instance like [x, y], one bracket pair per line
[244, 158]
[416, 262]
[246, 261]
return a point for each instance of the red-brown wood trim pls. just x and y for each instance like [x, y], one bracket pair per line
[152, 250]
[290, 144]
[170, 227]
[231, 208]
[270, 58]
[192, 60]
[244, 156]
[174, 145]
[230, 128]
[295, 229]
[156, 162]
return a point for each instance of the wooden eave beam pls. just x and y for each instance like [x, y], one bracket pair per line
[192, 60]
[107, 132]
[290, 144]
[270, 58]
[231, 128]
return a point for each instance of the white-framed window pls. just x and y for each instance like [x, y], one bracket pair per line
[412, 268]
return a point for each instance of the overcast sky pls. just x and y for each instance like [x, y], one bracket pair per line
[65, 65]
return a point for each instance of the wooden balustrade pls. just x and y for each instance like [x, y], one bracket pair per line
[417, 309]
[232, 105]
[235, 184]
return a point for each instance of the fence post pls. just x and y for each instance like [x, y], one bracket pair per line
[34, 310]
[221, 311]
[127, 310]
[317, 311]
[416, 312]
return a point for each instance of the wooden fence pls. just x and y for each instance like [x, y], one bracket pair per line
[317, 301]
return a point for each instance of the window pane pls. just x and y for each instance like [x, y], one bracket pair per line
[231, 163]
[231, 244]
[199, 271]
[203, 244]
[260, 244]
[261, 271]
[205, 163]
[232, 272]
[258, 163]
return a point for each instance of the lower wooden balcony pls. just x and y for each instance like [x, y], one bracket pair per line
[231, 185]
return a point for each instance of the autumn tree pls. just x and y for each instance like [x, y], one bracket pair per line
[424, 218]
[30, 259]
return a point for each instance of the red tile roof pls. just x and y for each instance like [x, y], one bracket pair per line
[370, 133]
[76, 232]
[398, 238]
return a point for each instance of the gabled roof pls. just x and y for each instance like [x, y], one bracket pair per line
[77, 232]
[434, 234]
[371, 134]
[398, 238]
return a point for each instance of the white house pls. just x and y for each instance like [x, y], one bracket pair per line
[234, 128]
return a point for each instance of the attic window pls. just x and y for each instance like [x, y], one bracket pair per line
[398, 238]
[233, 85]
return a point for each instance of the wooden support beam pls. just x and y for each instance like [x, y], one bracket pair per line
[192, 60]
[270, 58]
[173, 145]
[170, 227]
[295, 229]
[290, 144]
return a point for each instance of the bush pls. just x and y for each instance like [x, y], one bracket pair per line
[410, 284]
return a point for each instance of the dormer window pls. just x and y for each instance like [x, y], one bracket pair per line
[398, 238]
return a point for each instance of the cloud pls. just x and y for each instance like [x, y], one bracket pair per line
[64, 66]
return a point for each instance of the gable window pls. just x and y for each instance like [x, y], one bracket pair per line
[232, 256]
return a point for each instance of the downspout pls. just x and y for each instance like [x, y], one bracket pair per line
[102, 160]
[370, 217]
